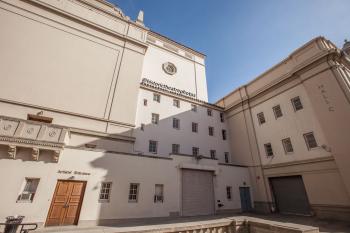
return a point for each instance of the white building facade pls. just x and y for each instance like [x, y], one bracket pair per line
[103, 120]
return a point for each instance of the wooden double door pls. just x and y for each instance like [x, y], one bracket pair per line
[66, 203]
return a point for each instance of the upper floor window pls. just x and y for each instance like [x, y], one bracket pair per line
[175, 149]
[29, 190]
[142, 127]
[277, 111]
[227, 159]
[261, 118]
[176, 123]
[193, 108]
[297, 105]
[153, 146]
[211, 131]
[310, 140]
[209, 112]
[156, 97]
[133, 192]
[222, 119]
[105, 191]
[224, 136]
[176, 103]
[213, 154]
[195, 151]
[287, 145]
[268, 149]
[155, 118]
[229, 192]
[145, 102]
[194, 127]
[159, 193]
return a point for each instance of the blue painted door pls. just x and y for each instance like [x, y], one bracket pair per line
[246, 204]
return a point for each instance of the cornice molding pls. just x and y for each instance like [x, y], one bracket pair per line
[300, 162]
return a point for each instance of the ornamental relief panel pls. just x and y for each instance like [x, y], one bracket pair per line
[30, 131]
[8, 127]
[52, 134]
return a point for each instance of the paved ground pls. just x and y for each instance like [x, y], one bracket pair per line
[325, 226]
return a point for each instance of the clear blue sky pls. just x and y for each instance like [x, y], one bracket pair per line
[242, 38]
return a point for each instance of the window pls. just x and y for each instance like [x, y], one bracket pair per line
[155, 118]
[133, 192]
[222, 119]
[287, 145]
[297, 105]
[29, 189]
[229, 192]
[153, 146]
[195, 151]
[209, 112]
[268, 149]
[158, 194]
[176, 103]
[211, 131]
[156, 97]
[277, 111]
[175, 148]
[143, 127]
[224, 136]
[105, 191]
[193, 108]
[310, 140]
[213, 154]
[144, 102]
[261, 118]
[176, 123]
[227, 159]
[194, 127]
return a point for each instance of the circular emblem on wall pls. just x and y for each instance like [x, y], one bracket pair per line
[169, 68]
[30, 130]
[7, 127]
[52, 134]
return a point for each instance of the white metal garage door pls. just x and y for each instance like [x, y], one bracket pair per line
[197, 192]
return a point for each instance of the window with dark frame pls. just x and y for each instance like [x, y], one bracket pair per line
[194, 127]
[142, 127]
[133, 192]
[155, 118]
[175, 149]
[277, 111]
[229, 192]
[310, 140]
[29, 190]
[227, 159]
[176, 123]
[213, 154]
[176, 103]
[195, 151]
[268, 149]
[287, 145]
[159, 193]
[144, 102]
[105, 191]
[156, 97]
[296, 102]
[222, 119]
[209, 112]
[261, 118]
[153, 146]
[211, 131]
[224, 136]
[193, 108]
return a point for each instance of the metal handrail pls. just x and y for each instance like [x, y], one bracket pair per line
[23, 226]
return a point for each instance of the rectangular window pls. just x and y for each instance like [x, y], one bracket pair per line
[268, 149]
[229, 192]
[213, 154]
[175, 148]
[144, 102]
[297, 105]
[194, 127]
[222, 119]
[287, 145]
[310, 140]
[227, 159]
[143, 127]
[155, 118]
[29, 190]
[176, 103]
[176, 123]
[209, 112]
[277, 111]
[211, 131]
[156, 97]
[224, 136]
[195, 151]
[159, 193]
[133, 192]
[261, 118]
[153, 146]
[105, 191]
[193, 108]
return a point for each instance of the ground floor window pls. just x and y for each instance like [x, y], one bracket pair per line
[133, 192]
[29, 189]
[105, 191]
[159, 196]
[229, 192]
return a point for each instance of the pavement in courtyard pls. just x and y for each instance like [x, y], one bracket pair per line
[325, 226]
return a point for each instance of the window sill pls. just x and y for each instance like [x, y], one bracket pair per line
[24, 201]
[103, 201]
